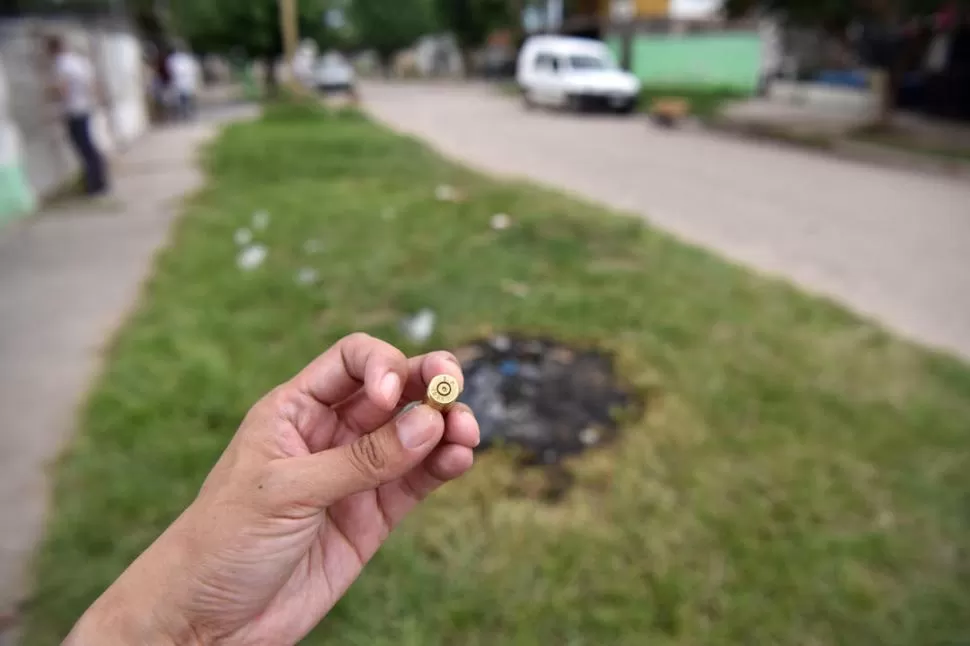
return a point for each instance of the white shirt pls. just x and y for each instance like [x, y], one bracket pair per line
[75, 75]
[184, 71]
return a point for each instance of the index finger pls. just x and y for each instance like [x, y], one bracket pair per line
[355, 361]
[359, 414]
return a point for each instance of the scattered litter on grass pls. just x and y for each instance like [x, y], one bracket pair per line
[307, 276]
[513, 288]
[260, 220]
[311, 247]
[252, 257]
[547, 398]
[501, 222]
[501, 343]
[420, 327]
[589, 436]
[243, 237]
[446, 193]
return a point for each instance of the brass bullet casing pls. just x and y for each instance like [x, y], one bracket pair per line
[443, 392]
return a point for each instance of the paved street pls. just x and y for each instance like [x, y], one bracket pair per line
[68, 276]
[891, 244]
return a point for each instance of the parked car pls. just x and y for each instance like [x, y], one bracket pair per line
[334, 74]
[574, 73]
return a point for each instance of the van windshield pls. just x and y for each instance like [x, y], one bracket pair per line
[581, 63]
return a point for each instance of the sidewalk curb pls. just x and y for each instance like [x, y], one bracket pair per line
[845, 149]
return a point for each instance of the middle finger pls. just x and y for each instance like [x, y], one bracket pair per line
[359, 414]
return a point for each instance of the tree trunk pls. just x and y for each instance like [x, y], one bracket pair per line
[272, 82]
[467, 62]
[386, 61]
[516, 7]
[890, 78]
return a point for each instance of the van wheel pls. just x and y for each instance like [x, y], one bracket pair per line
[627, 108]
[574, 103]
[527, 100]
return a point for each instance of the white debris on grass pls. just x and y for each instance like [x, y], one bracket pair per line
[243, 237]
[513, 288]
[307, 276]
[502, 343]
[501, 221]
[311, 247]
[420, 327]
[446, 193]
[252, 257]
[260, 220]
[589, 436]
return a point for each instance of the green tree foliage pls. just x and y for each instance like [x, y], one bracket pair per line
[248, 27]
[837, 13]
[388, 26]
[472, 20]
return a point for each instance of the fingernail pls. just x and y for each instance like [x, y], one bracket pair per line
[414, 428]
[391, 387]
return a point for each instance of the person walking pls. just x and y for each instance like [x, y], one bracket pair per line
[183, 69]
[75, 89]
[162, 92]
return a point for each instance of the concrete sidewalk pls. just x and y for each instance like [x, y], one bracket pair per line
[68, 277]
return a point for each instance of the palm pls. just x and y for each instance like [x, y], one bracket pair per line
[324, 554]
[303, 563]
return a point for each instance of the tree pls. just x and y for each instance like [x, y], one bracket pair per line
[835, 13]
[247, 27]
[471, 21]
[388, 26]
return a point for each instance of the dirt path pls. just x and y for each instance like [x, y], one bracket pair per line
[68, 276]
[890, 244]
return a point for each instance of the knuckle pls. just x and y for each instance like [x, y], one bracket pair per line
[277, 401]
[358, 338]
[368, 457]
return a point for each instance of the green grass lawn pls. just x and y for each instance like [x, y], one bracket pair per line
[800, 477]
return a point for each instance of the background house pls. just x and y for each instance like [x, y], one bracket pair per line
[669, 42]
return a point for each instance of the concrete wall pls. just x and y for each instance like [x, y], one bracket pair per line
[728, 59]
[850, 103]
[15, 194]
[36, 159]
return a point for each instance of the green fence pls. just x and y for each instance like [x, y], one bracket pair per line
[726, 60]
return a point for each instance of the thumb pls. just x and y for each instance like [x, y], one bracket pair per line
[387, 454]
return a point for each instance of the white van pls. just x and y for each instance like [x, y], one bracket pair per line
[334, 73]
[574, 73]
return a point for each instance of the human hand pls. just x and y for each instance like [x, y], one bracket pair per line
[309, 488]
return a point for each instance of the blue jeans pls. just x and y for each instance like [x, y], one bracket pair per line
[95, 173]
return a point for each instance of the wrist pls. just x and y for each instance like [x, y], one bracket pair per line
[127, 614]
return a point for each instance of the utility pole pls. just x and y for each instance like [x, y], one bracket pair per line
[290, 28]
